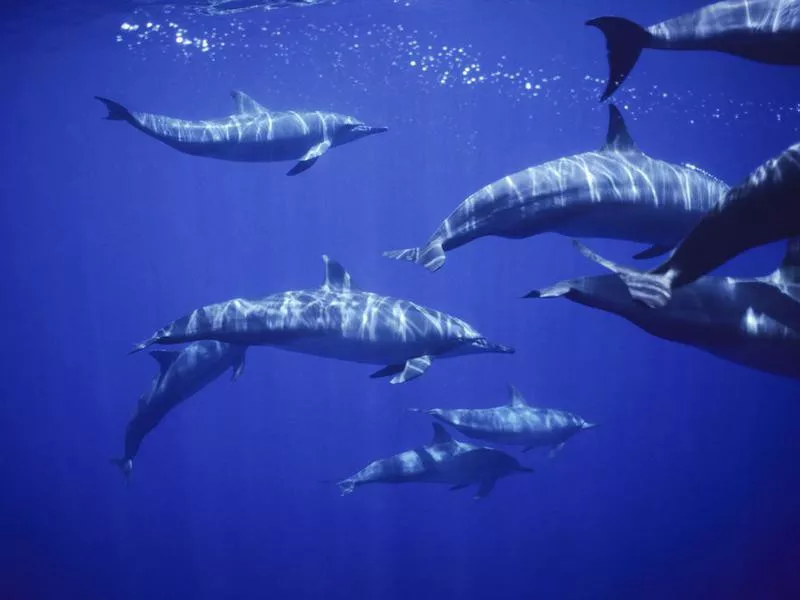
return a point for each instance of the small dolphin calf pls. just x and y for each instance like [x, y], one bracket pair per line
[766, 31]
[181, 375]
[444, 460]
[336, 320]
[617, 192]
[764, 208]
[252, 134]
[751, 322]
[514, 423]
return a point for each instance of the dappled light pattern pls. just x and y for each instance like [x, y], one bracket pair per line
[335, 321]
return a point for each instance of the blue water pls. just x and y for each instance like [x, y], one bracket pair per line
[688, 489]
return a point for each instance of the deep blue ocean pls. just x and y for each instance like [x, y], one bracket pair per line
[688, 489]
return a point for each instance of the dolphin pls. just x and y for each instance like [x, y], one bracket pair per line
[750, 322]
[181, 374]
[515, 423]
[336, 320]
[616, 192]
[762, 209]
[444, 460]
[765, 31]
[252, 134]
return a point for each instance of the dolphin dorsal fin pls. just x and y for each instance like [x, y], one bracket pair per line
[165, 358]
[789, 271]
[517, 400]
[440, 435]
[245, 104]
[336, 276]
[618, 139]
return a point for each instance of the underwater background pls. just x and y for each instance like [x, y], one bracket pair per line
[689, 488]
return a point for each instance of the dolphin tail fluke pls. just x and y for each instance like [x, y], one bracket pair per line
[625, 41]
[125, 465]
[116, 112]
[347, 486]
[651, 289]
[431, 256]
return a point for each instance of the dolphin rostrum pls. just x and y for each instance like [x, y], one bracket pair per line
[515, 423]
[766, 31]
[443, 460]
[762, 209]
[182, 373]
[616, 192]
[751, 322]
[336, 320]
[252, 134]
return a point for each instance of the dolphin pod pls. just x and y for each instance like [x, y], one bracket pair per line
[766, 31]
[335, 320]
[252, 134]
[762, 209]
[615, 192]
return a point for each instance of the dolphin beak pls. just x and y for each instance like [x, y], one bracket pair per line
[500, 349]
[377, 130]
[588, 425]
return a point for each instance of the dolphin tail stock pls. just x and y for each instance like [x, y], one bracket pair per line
[116, 112]
[347, 486]
[653, 289]
[625, 41]
[125, 465]
[430, 256]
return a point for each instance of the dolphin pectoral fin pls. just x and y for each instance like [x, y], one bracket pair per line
[414, 368]
[556, 450]
[238, 369]
[386, 371]
[460, 486]
[484, 489]
[310, 158]
[652, 252]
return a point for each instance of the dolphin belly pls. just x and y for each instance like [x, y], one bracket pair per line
[634, 222]
[770, 356]
[359, 350]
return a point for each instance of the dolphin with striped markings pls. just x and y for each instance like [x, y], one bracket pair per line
[515, 423]
[251, 134]
[337, 320]
[754, 322]
[616, 192]
[444, 460]
[182, 373]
